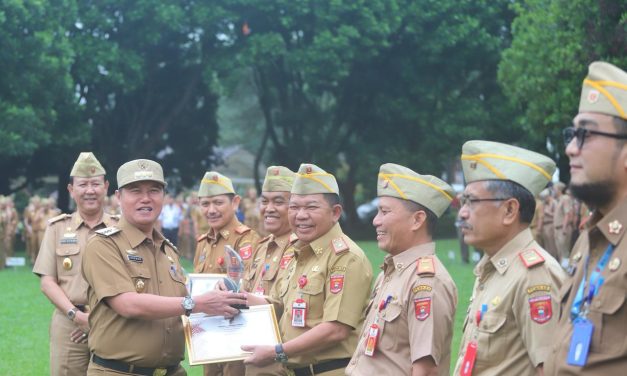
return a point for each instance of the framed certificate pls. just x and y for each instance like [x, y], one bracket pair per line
[201, 283]
[214, 339]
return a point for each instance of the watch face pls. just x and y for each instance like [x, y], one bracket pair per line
[188, 303]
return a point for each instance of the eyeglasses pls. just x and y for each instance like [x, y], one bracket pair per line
[470, 201]
[582, 133]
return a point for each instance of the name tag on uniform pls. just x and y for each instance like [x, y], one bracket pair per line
[299, 313]
[69, 241]
[580, 342]
[371, 341]
[133, 258]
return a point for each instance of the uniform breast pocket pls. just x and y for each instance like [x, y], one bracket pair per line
[68, 260]
[314, 297]
[140, 278]
[491, 344]
[390, 319]
[271, 272]
[609, 314]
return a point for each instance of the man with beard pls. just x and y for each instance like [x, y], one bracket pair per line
[509, 324]
[59, 266]
[590, 337]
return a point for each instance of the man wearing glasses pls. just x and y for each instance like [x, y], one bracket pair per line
[510, 322]
[591, 336]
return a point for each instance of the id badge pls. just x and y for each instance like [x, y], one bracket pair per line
[580, 342]
[469, 359]
[371, 341]
[299, 313]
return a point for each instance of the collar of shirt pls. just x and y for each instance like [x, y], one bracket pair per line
[279, 241]
[77, 221]
[506, 255]
[408, 257]
[612, 226]
[136, 237]
[225, 232]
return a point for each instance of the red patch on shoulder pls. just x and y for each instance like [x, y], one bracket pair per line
[540, 309]
[422, 307]
[336, 283]
[246, 252]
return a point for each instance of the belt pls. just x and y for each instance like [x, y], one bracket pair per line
[130, 368]
[314, 369]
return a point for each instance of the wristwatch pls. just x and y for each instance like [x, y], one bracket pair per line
[71, 314]
[281, 356]
[188, 305]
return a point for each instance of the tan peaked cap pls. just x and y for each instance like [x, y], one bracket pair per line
[278, 179]
[311, 179]
[604, 90]
[213, 184]
[140, 170]
[401, 182]
[87, 166]
[487, 160]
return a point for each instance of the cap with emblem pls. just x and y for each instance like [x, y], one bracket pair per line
[401, 182]
[604, 90]
[213, 184]
[278, 179]
[487, 160]
[87, 166]
[140, 170]
[311, 180]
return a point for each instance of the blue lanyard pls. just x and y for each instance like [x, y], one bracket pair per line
[595, 283]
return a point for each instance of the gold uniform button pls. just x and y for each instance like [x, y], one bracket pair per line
[67, 263]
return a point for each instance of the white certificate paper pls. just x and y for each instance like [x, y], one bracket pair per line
[213, 339]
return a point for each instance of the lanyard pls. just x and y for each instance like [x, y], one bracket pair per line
[595, 283]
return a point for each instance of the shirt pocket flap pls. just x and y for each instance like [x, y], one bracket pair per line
[492, 322]
[138, 270]
[271, 273]
[391, 312]
[609, 300]
[68, 250]
[313, 287]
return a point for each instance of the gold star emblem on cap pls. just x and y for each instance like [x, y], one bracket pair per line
[473, 165]
[614, 264]
[615, 227]
[593, 96]
[142, 165]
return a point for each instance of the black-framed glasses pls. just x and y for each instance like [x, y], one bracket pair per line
[463, 201]
[582, 133]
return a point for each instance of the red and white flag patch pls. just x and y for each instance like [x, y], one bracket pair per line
[540, 309]
[246, 251]
[336, 283]
[422, 307]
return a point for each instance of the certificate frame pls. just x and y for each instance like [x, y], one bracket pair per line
[203, 282]
[213, 339]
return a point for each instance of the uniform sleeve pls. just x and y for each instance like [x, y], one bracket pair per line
[536, 310]
[431, 335]
[104, 269]
[46, 263]
[347, 289]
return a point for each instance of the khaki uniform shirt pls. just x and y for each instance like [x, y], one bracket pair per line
[516, 331]
[418, 320]
[272, 255]
[210, 256]
[122, 259]
[62, 249]
[338, 276]
[562, 212]
[608, 311]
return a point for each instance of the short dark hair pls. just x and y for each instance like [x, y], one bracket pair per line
[432, 219]
[332, 199]
[620, 124]
[508, 188]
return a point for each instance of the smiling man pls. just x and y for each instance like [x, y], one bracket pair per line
[325, 290]
[593, 311]
[59, 266]
[409, 321]
[509, 325]
[136, 285]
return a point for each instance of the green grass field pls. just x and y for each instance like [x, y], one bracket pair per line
[25, 312]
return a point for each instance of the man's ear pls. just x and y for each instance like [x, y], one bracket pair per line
[337, 212]
[511, 211]
[419, 219]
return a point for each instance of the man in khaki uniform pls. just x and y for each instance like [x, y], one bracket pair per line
[12, 219]
[596, 290]
[28, 218]
[137, 287]
[562, 223]
[275, 251]
[409, 323]
[323, 295]
[219, 203]
[59, 266]
[510, 321]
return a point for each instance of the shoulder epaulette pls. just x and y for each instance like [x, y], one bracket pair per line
[108, 231]
[168, 242]
[264, 239]
[242, 229]
[339, 245]
[201, 237]
[425, 266]
[531, 257]
[293, 238]
[58, 218]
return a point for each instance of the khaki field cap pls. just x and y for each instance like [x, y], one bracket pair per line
[426, 190]
[604, 90]
[278, 179]
[213, 184]
[87, 166]
[140, 170]
[487, 160]
[311, 180]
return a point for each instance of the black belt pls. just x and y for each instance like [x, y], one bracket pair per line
[314, 369]
[129, 368]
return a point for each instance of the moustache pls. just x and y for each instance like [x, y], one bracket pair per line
[465, 225]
